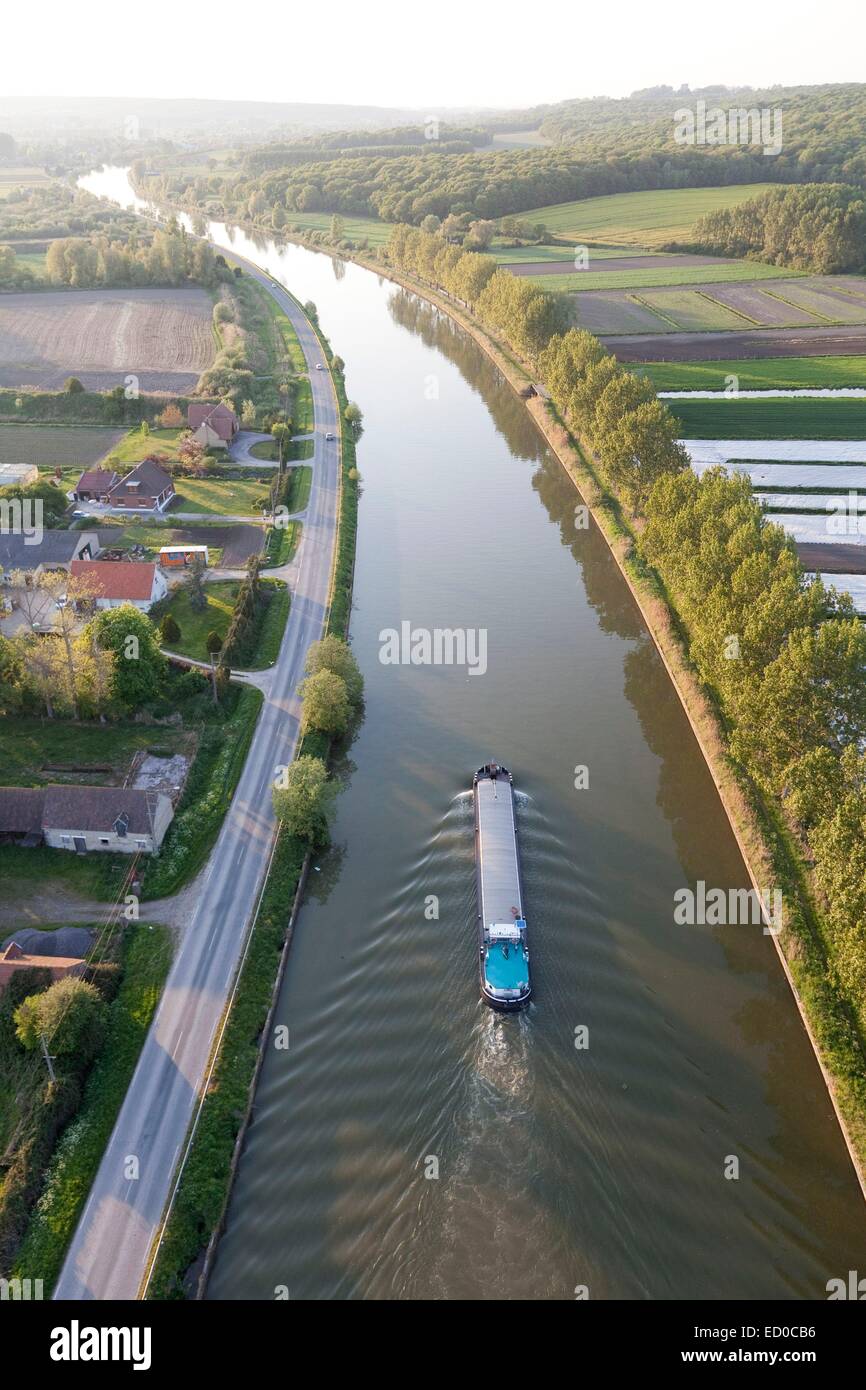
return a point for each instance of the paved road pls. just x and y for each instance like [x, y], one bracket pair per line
[109, 1252]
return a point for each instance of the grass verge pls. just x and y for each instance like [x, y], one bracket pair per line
[209, 789]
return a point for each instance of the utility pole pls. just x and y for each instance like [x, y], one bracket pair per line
[49, 1060]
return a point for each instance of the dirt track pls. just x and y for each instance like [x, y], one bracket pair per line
[848, 340]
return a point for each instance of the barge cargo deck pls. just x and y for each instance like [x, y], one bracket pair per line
[502, 944]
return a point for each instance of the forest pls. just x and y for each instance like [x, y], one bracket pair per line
[599, 147]
[816, 226]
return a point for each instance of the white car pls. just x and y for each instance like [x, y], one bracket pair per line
[330, 436]
[319, 367]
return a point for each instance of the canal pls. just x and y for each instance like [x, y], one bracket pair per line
[409, 1143]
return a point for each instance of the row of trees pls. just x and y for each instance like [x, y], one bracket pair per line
[170, 258]
[331, 694]
[512, 305]
[818, 226]
[785, 657]
[633, 433]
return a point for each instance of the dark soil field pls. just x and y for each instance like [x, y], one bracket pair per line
[237, 542]
[757, 342]
[833, 559]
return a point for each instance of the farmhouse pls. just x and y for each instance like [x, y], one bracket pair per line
[94, 485]
[122, 581]
[125, 820]
[213, 426]
[50, 550]
[147, 488]
[13, 960]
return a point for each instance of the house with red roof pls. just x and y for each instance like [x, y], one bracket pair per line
[114, 582]
[213, 426]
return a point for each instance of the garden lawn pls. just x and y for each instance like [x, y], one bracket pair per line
[135, 446]
[220, 496]
[194, 626]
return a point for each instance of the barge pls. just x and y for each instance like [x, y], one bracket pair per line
[503, 951]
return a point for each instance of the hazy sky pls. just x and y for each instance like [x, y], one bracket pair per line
[445, 53]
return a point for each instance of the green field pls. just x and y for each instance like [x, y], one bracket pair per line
[220, 496]
[51, 446]
[34, 261]
[356, 228]
[657, 278]
[652, 219]
[811, 418]
[221, 596]
[769, 373]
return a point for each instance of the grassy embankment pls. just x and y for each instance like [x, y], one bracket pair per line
[205, 1181]
[70, 1164]
[298, 450]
